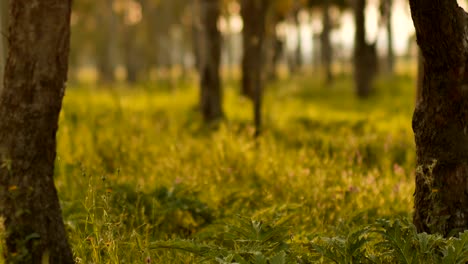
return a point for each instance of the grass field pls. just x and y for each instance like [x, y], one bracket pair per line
[141, 180]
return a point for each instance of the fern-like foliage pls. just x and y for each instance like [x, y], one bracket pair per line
[344, 250]
[244, 241]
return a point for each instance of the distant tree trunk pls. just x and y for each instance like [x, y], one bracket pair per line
[254, 16]
[209, 52]
[4, 14]
[276, 51]
[106, 42]
[365, 55]
[131, 53]
[35, 79]
[298, 56]
[326, 44]
[440, 119]
[390, 51]
[273, 46]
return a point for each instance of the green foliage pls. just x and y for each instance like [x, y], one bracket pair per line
[244, 241]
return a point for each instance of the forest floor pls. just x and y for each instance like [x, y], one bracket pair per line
[141, 179]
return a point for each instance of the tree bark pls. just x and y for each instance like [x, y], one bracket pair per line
[209, 52]
[365, 55]
[35, 77]
[326, 44]
[441, 117]
[4, 14]
[253, 13]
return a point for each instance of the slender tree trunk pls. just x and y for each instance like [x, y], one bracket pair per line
[298, 55]
[390, 51]
[326, 44]
[106, 41]
[4, 14]
[209, 51]
[273, 47]
[440, 119]
[35, 79]
[131, 53]
[275, 52]
[365, 55]
[253, 13]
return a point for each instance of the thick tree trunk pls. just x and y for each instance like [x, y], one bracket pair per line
[441, 118]
[326, 44]
[209, 52]
[4, 14]
[35, 79]
[254, 16]
[365, 55]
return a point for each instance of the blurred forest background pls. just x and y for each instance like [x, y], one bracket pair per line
[242, 131]
[130, 40]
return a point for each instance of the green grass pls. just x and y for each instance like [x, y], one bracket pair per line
[140, 178]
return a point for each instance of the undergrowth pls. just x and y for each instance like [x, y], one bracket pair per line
[142, 180]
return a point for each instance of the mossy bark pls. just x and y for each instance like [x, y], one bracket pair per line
[441, 118]
[4, 14]
[35, 77]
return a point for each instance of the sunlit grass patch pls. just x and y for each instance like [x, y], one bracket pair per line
[136, 166]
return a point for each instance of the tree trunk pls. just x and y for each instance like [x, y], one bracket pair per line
[441, 117]
[35, 79]
[131, 53]
[106, 41]
[326, 44]
[254, 16]
[298, 55]
[390, 52]
[365, 55]
[209, 52]
[4, 14]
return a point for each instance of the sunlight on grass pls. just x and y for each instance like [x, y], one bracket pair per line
[136, 165]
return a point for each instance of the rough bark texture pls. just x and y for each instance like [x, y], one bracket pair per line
[365, 55]
[209, 56]
[4, 14]
[441, 117]
[35, 79]
[326, 44]
[253, 13]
